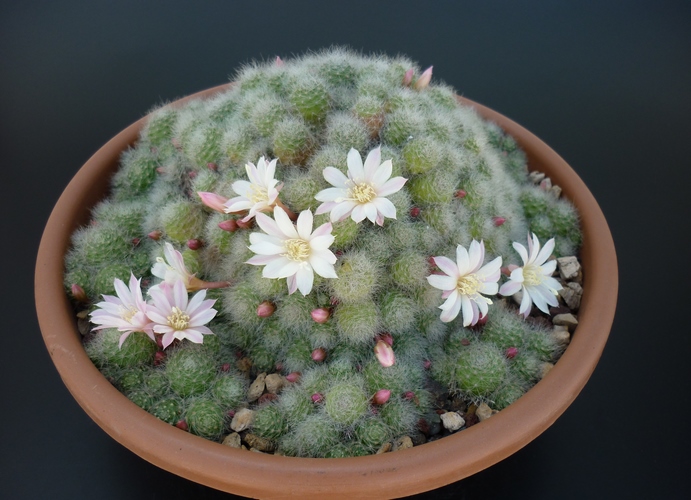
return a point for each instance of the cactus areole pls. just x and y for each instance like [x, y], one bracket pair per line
[360, 143]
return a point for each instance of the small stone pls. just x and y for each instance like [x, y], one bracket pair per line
[556, 191]
[452, 421]
[545, 369]
[256, 450]
[274, 383]
[418, 438]
[402, 443]
[259, 443]
[242, 420]
[84, 326]
[561, 335]
[567, 320]
[257, 388]
[233, 440]
[483, 412]
[536, 177]
[458, 404]
[569, 268]
[386, 447]
[572, 293]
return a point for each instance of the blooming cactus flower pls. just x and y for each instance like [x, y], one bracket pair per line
[257, 195]
[126, 312]
[176, 316]
[534, 279]
[293, 251]
[464, 283]
[172, 268]
[363, 192]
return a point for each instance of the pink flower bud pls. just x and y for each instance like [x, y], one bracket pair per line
[279, 367]
[212, 166]
[415, 212]
[231, 413]
[155, 235]
[225, 368]
[182, 424]
[176, 143]
[213, 201]
[265, 309]
[409, 395]
[193, 174]
[279, 62]
[384, 354]
[424, 79]
[482, 321]
[293, 377]
[408, 77]
[136, 241]
[461, 193]
[386, 337]
[317, 398]
[321, 315]
[498, 221]
[427, 364]
[381, 396]
[229, 225]
[78, 293]
[161, 170]
[159, 358]
[245, 224]
[319, 354]
[511, 352]
[194, 244]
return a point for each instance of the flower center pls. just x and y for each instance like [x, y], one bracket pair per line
[467, 285]
[178, 319]
[259, 194]
[297, 249]
[128, 313]
[531, 276]
[362, 193]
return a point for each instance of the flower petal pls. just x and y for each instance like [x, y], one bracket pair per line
[331, 194]
[342, 210]
[370, 212]
[372, 163]
[304, 224]
[305, 278]
[442, 282]
[335, 177]
[269, 226]
[321, 242]
[280, 267]
[545, 252]
[509, 288]
[358, 214]
[391, 186]
[382, 174]
[448, 266]
[322, 267]
[356, 170]
[521, 251]
[284, 223]
[463, 260]
[467, 309]
[385, 207]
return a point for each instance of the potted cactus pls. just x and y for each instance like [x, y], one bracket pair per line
[330, 258]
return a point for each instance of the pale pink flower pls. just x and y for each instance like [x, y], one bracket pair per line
[384, 354]
[172, 268]
[126, 312]
[293, 251]
[363, 192]
[464, 283]
[534, 279]
[259, 194]
[424, 79]
[176, 316]
[213, 201]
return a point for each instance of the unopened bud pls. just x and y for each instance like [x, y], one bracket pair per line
[194, 244]
[386, 337]
[279, 62]
[408, 77]
[424, 79]
[465, 342]
[182, 424]
[242, 224]
[212, 166]
[427, 364]
[293, 377]
[384, 354]
[225, 368]
[78, 293]
[320, 315]
[229, 225]
[498, 221]
[409, 395]
[265, 309]
[381, 396]
[461, 193]
[213, 201]
[511, 352]
[192, 174]
[155, 235]
[317, 398]
[159, 358]
[319, 354]
[415, 212]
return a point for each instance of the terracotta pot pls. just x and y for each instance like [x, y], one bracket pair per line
[389, 475]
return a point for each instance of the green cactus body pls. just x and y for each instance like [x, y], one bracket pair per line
[205, 418]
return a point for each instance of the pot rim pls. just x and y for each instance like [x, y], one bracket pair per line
[401, 473]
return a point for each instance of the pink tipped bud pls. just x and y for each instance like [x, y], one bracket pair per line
[384, 354]
[409, 395]
[511, 352]
[321, 315]
[427, 364]
[319, 354]
[279, 62]
[194, 244]
[231, 413]
[245, 224]
[176, 143]
[193, 174]
[265, 309]
[212, 166]
[213, 201]
[408, 77]
[424, 79]
[381, 396]
[293, 377]
[415, 212]
[461, 193]
[78, 293]
[386, 337]
[155, 235]
[161, 170]
[482, 320]
[182, 424]
[334, 301]
[498, 221]
[317, 398]
[159, 358]
[279, 367]
[229, 225]
[225, 367]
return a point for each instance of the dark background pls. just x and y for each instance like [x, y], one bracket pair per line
[606, 84]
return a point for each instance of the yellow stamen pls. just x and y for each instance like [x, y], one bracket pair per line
[128, 313]
[531, 276]
[362, 193]
[258, 194]
[297, 249]
[468, 285]
[178, 319]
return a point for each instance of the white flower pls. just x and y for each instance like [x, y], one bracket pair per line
[465, 281]
[534, 278]
[363, 192]
[126, 312]
[293, 251]
[176, 317]
[257, 195]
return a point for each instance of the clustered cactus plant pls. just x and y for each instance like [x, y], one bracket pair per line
[342, 308]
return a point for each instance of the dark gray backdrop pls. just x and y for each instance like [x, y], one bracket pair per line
[606, 84]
